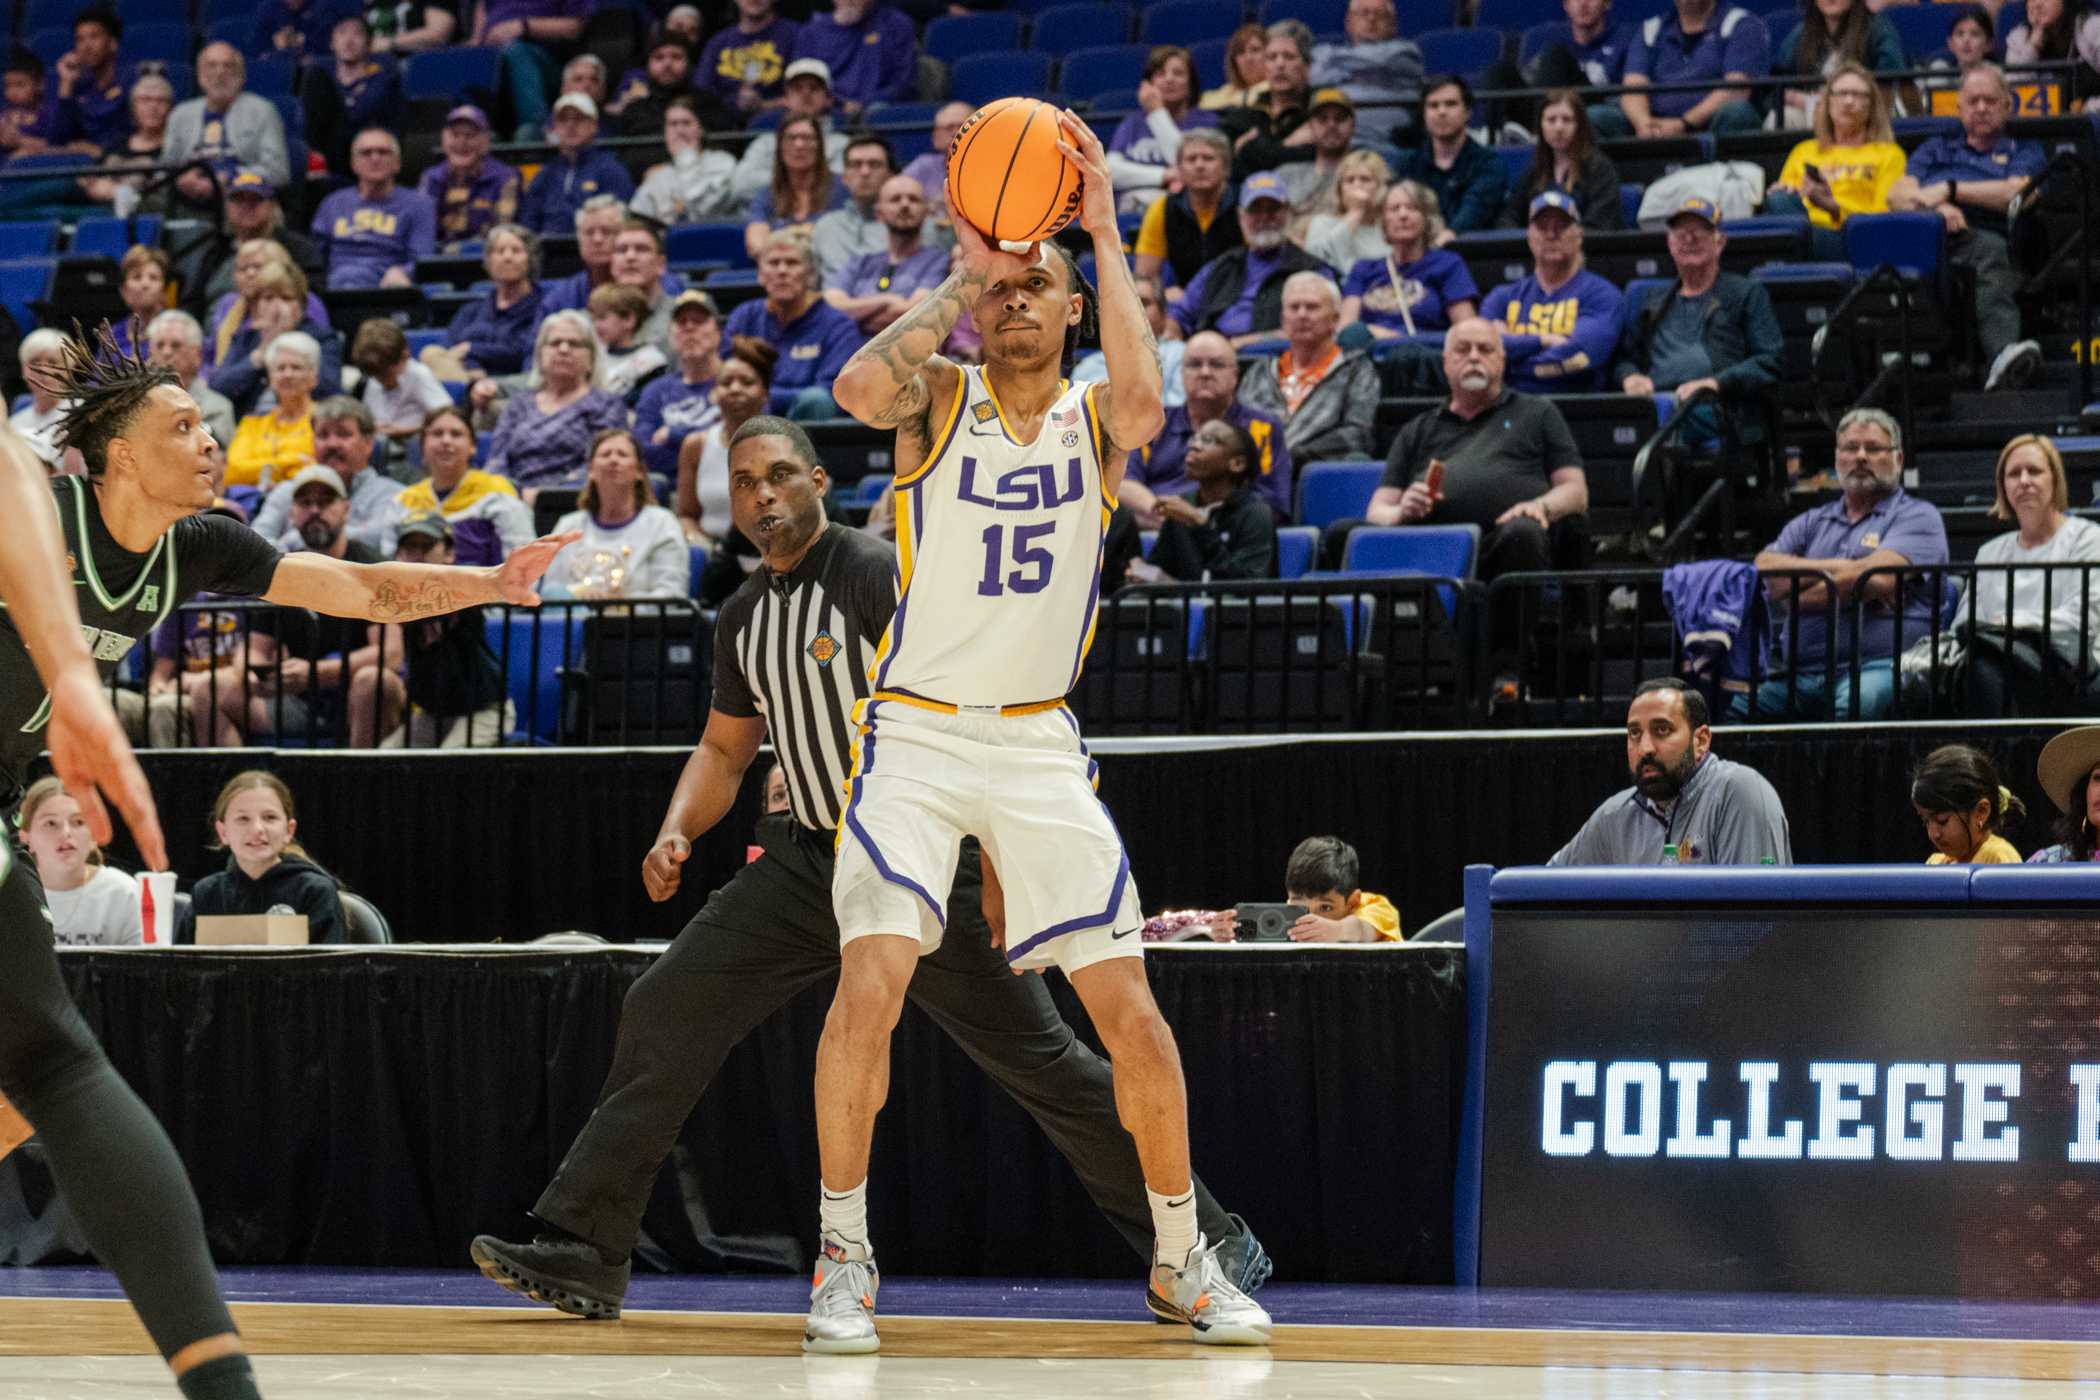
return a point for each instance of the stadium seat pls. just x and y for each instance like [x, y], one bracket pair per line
[534, 680]
[984, 77]
[1321, 16]
[1923, 28]
[1462, 51]
[112, 238]
[1516, 160]
[868, 490]
[1210, 61]
[1187, 22]
[235, 29]
[159, 43]
[1441, 551]
[697, 556]
[954, 36]
[33, 239]
[1331, 491]
[47, 14]
[711, 242]
[183, 78]
[888, 114]
[1518, 15]
[214, 10]
[1913, 243]
[1630, 204]
[49, 44]
[1295, 547]
[272, 75]
[448, 74]
[1107, 72]
[1064, 29]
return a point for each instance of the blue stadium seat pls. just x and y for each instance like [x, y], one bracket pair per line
[1923, 28]
[1295, 547]
[292, 112]
[715, 242]
[159, 43]
[183, 78]
[1516, 160]
[35, 238]
[1110, 72]
[272, 75]
[443, 74]
[1331, 491]
[1533, 41]
[48, 14]
[868, 490]
[696, 567]
[1187, 22]
[903, 113]
[419, 341]
[1630, 205]
[48, 44]
[1517, 15]
[112, 238]
[21, 282]
[234, 29]
[1914, 243]
[1321, 16]
[954, 36]
[536, 680]
[1443, 551]
[1063, 29]
[982, 77]
[138, 12]
[1925, 126]
[1210, 61]
[1462, 51]
[215, 10]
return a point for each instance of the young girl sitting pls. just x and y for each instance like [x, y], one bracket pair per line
[1959, 799]
[90, 902]
[266, 870]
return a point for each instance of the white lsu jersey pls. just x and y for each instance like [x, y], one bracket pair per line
[998, 557]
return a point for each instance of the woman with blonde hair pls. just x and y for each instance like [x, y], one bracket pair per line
[90, 903]
[2022, 658]
[273, 308]
[1345, 227]
[270, 446]
[1414, 286]
[230, 313]
[631, 546]
[1246, 71]
[1848, 166]
[256, 825]
[543, 435]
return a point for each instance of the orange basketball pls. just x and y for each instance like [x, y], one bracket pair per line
[1010, 180]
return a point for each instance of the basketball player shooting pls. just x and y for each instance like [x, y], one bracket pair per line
[1006, 477]
[119, 553]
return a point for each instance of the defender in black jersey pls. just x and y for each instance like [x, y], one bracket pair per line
[135, 549]
[792, 648]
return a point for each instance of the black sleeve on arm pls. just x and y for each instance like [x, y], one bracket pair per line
[217, 554]
[732, 691]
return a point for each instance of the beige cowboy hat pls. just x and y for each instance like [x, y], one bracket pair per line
[2065, 762]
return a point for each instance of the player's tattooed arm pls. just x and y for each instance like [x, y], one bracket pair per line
[885, 384]
[406, 592]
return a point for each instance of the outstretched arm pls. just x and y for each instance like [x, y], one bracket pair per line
[405, 592]
[1132, 401]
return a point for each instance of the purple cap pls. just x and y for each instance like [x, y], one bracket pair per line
[1555, 199]
[1267, 185]
[1699, 209]
[469, 113]
[249, 180]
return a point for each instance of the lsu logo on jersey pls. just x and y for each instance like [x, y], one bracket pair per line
[1544, 318]
[1024, 488]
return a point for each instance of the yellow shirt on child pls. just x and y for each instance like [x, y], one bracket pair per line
[1995, 850]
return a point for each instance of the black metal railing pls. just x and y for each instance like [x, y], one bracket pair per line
[237, 672]
[2038, 660]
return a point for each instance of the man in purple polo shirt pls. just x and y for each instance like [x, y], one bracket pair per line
[1700, 41]
[1240, 293]
[94, 90]
[876, 288]
[1874, 525]
[472, 190]
[374, 232]
[743, 66]
[521, 28]
[872, 50]
[1210, 372]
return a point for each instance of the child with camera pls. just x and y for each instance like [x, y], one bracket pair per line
[1322, 903]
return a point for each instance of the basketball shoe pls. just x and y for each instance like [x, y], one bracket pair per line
[1199, 1294]
[842, 1304]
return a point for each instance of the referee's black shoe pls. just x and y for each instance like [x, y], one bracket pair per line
[1246, 1264]
[561, 1271]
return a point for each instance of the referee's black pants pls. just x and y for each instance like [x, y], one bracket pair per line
[758, 941]
[109, 1156]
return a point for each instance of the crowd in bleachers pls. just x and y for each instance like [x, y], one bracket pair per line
[1365, 235]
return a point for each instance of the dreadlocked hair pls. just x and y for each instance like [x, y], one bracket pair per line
[1088, 331]
[103, 389]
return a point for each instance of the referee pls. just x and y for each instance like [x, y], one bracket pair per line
[792, 648]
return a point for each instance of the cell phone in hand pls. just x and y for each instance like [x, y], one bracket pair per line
[1814, 173]
[1267, 923]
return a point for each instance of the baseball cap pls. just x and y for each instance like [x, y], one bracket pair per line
[578, 101]
[1267, 185]
[251, 181]
[1698, 208]
[1555, 199]
[428, 524]
[1330, 97]
[469, 113]
[693, 297]
[808, 68]
[327, 476]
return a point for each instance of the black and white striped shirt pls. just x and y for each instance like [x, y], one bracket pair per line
[795, 648]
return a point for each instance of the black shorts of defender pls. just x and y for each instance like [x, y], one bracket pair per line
[107, 1153]
[760, 940]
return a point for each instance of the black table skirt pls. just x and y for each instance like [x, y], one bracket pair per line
[379, 1107]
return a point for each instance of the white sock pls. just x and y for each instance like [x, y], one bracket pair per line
[1173, 1226]
[842, 1218]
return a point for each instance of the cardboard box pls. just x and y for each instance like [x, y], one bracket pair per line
[252, 930]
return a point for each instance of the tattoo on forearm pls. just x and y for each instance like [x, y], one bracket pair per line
[404, 602]
[911, 340]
